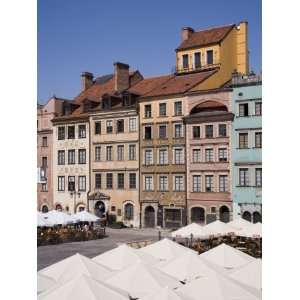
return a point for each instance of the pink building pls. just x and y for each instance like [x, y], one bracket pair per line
[208, 127]
[45, 114]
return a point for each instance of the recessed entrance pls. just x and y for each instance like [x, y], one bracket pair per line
[149, 219]
[198, 215]
[224, 214]
[100, 209]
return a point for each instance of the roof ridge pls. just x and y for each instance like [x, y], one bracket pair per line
[215, 27]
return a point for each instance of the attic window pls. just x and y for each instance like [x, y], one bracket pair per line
[106, 103]
[126, 101]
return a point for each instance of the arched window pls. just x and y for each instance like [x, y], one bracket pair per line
[224, 214]
[58, 207]
[81, 208]
[247, 216]
[45, 209]
[256, 217]
[128, 211]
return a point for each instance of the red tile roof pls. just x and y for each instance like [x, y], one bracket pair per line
[205, 37]
[179, 84]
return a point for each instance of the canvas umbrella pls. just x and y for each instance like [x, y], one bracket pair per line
[140, 280]
[187, 267]
[226, 257]
[77, 263]
[84, 216]
[41, 221]
[166, 293]
[252, 231]
[58, 218]
[239, 223]
[44, 283]
[83, 287]
[249, 274]
[216, 287]
[122, 256]
[165, 249]
[216, 228]
[186, 231]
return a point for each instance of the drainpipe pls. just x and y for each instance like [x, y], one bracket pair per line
[186, 174]
[90, 145]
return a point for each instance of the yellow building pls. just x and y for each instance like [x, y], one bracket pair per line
[224, 49]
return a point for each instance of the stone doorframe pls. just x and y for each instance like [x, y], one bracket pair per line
[143, 207]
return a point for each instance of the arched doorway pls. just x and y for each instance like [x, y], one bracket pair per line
[247, 216]
[224, 214]
[198, 215]
[100, 209]
[45, 209]
[58, 207]
[149, 217]
[128, 211]
[256, 217]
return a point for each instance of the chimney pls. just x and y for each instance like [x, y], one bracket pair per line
[121, 76]
[186, 32]
[86, 80]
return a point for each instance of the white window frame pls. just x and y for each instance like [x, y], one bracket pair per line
[193, 155]
[150, 162]
[223, 186]
[166, 160]
[198, 183]
[181, 185]
[181, 161]
[181, 130]
[150, 184]
[120, 152]
[132, 125]
[164, 187]
[213, 155]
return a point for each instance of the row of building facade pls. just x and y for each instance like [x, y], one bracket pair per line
[160, 151]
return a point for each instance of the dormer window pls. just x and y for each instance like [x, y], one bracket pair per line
[185, 61]
[126, 101]
[209, 57]
[197, 59]
[106, 103]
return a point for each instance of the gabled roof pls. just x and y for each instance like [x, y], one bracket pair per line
[179, 84]
[206, 37]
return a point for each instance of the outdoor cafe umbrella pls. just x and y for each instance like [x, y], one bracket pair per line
[252, 231]
[166, 293]
[41, 221]
[59, 218]
[239, 223]
[83, 287]
[216, 228]
[44, 283]
[122, 256]
[84, 216]
[186, 231]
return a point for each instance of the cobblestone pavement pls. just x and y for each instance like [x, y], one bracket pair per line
[47, 255]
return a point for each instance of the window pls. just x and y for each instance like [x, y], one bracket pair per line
[106, 103]
[132, 180]
[196, 183]
[71, 157]
[98, 127]
[148, 132]
[81, 183]
[120, 126]
[98, 180]
[125, 100]
[148, 183]
[258, 139]
[222, 154]
[132, 152]
[258, 108]
[243, 140]
[81, 131]
[148, 157]
[97, 153]
[61, 133]
[44, 187]
[109, 153]
[120, 181]
[244, 177]
[81, 156]
[132, 124]
[209, 57]
[162, 131]
[71, 132]
[44, 162]
[109, 180]
[178, 132]
[213, 209]
[61, 157]
[185, 61]
[243, 110]
[120, 152]
[71, 183]
[223, 183]
[109, 126]
[178, 156]
[61, 183]
[162, 109]
[209, 155]
[163, 156]
[209, 131]
[178, 108]
[163, 183]
[178, 183]
[197, 60]
[128, 211]
[196, 132]
[44, 141]
[258, 177]
[196, 155]
[209, 183]
[222, 130]
[148, 111]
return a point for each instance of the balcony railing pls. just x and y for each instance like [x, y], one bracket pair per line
[181, 69]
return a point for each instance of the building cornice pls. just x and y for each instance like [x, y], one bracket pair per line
[193, 119]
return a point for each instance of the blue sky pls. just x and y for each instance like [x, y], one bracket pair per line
[89, 35]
